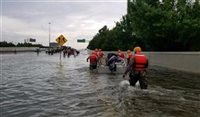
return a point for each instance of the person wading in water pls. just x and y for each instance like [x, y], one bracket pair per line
[137, 68]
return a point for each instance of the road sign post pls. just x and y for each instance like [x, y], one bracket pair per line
[61, 40]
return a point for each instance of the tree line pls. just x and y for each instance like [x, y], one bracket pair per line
[155, 25]
[10, 44]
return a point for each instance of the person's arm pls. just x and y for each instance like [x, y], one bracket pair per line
[129, 68]
[98, 61]
[111, 58]
[88, 58]
[118, 59]
[147, 64]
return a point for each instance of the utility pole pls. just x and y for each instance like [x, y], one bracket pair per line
[49, 33]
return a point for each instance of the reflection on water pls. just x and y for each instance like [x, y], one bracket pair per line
[40, 86]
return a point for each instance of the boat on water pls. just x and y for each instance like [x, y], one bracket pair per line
[105, 69]
[103, 66]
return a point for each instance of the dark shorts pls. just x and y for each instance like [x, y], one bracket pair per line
[93, 66]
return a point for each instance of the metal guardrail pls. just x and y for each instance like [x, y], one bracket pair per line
[18, 49]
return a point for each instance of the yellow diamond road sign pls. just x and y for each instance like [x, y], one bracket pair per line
[61, 40]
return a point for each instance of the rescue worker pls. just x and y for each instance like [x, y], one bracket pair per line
[93, 60]
[121, 54]
[100, 53]
[101, 57]
[137, 68]
[129, 55]
[96, 51]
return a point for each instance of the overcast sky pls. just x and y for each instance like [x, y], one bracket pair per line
[22, 19]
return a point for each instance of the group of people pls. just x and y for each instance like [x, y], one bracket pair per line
[96, 57]
[136, 64]
[68, 51]
[52, 51]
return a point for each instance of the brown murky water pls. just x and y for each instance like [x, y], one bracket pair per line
[44, 86]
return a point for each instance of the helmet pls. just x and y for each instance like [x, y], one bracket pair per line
[128, 51]
[137, 49]
[96, 50]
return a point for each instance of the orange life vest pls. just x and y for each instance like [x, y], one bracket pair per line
[140, 62]
[93, 58]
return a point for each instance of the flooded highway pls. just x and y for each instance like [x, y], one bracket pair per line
[44, 86]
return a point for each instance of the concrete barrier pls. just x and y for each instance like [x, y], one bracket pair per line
[185, 61]
[18, 49]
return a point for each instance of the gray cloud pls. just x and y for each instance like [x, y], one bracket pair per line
[75, 19]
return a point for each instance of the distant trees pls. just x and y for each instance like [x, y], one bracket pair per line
[6, 44]
[155, 25]
[10, 44]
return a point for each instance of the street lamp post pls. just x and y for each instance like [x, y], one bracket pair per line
[49, 33]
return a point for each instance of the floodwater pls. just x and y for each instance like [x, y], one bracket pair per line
[44, 86]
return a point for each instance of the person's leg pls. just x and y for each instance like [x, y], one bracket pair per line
[143, 80]
[133, 78]
[115, 68]
[127, 62]
[95, 66]
[91, 67]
